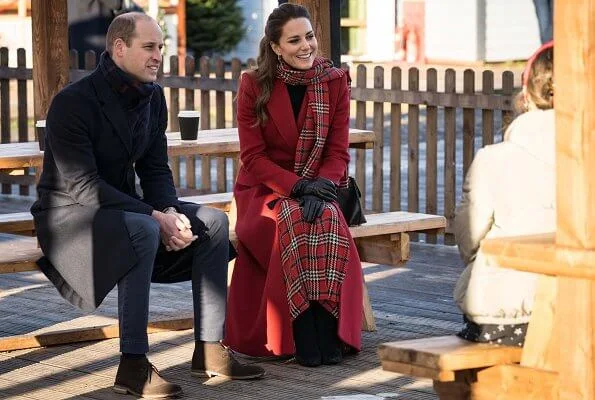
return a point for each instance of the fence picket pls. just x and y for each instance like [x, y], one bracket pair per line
[220, 123]
[468, 122]
[174, 108]
[205, 123]
[5, 110]
[22, 120]
[487, 116]
[360, 123]
[431, 150]
[90, 60]
[73, 59]
[507, 89]
[449, 154]
[189, 71]
[413, 149]
[377, 152]
[395, 144]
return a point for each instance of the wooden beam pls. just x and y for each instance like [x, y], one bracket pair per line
[321, 22]
[50, 52]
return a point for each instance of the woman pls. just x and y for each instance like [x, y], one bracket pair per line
[509, 190]
[297, 282]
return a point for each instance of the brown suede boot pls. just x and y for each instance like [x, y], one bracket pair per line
[214, 359]
[140, 378]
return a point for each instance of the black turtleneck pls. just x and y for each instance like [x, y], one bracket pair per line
[296, 95]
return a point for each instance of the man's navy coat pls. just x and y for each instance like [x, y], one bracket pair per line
[88, 180]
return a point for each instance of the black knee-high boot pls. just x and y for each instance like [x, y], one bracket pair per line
[326, 330]
[307, 352]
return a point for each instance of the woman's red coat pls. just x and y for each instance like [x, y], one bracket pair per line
[258, 321]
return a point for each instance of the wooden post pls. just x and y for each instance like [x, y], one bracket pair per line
[321, 22]
[50, 52]
[574, 66]
[181, 12]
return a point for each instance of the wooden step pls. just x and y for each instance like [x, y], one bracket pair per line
[438, 358]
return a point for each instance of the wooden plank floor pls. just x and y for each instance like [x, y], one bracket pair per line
[409, 302]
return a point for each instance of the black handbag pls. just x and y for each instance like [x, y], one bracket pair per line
[350, 204]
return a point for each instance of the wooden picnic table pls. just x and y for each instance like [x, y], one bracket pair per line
[211, 142]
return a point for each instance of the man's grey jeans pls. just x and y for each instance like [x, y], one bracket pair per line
[204, 262]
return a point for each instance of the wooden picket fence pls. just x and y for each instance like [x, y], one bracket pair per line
[447, 120]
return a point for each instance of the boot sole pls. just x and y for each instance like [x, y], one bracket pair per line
[124, 390]
[211, 374]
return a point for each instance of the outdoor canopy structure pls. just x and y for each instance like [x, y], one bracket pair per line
[567, 344]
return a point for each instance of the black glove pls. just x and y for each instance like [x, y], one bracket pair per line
[312, 207]
[321, 187]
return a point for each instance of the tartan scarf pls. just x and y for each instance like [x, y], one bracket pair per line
[313, 256]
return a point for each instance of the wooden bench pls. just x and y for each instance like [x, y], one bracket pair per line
[451, 362]
[383, 239]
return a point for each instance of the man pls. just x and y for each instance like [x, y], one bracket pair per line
[96, 231]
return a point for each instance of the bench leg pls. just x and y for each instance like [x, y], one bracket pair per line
[390, 249]
[459, 389]
[368, 321]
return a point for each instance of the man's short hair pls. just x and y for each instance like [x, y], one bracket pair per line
[123, 27]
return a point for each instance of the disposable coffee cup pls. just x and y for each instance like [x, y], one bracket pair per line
[40, 133]
[188, 124]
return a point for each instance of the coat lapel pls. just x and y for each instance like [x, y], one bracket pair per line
[279, 108]
[112, 109]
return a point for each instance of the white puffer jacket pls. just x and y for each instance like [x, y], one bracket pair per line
[508, 191]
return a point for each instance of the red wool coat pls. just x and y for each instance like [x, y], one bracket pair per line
[258, 321]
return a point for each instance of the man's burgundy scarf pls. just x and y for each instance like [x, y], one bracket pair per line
[313, 256]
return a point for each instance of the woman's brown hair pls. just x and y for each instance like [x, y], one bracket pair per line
[266, 63]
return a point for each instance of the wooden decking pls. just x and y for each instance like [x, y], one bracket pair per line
[409, 302]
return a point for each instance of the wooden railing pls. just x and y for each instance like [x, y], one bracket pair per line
[424, 143]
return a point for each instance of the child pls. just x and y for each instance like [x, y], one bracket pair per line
[508, 191]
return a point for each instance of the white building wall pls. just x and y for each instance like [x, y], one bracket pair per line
[453, 30]
[255, 14]
[512, 32]
[15, 32]
[380, 30]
